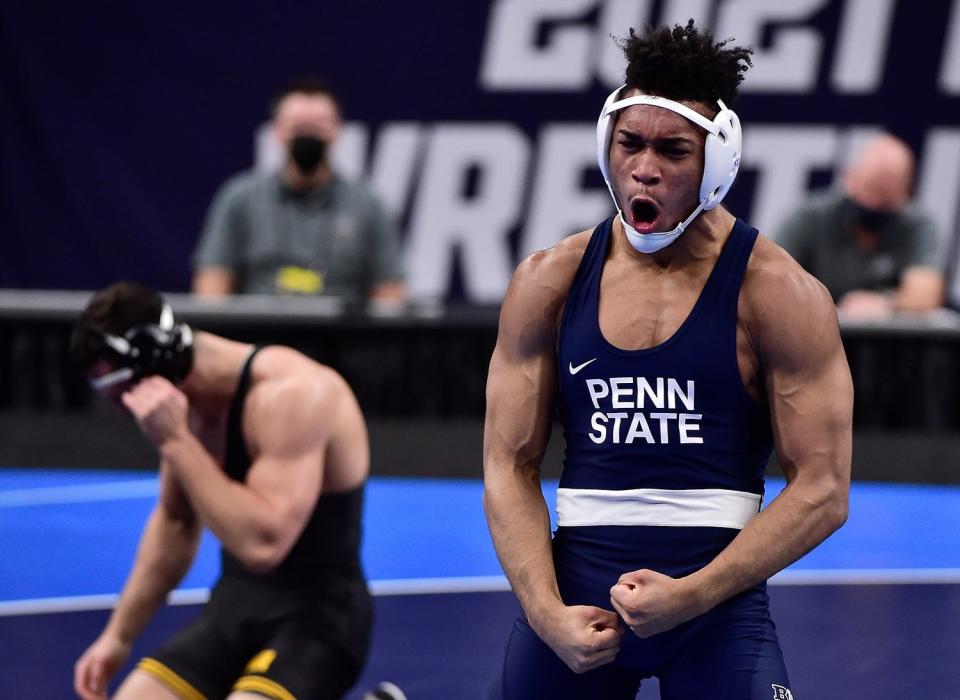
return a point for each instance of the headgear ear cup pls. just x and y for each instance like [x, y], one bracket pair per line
[604, 134]
[721, 157]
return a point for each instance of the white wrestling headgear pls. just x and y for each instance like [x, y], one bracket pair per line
[721, 160]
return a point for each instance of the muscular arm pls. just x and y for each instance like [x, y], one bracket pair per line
[520, 391]
[289, 421]
[810, 391]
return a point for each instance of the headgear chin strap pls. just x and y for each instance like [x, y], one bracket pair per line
[721, 160]
[164, 348]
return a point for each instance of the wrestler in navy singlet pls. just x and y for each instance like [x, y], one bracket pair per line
[664, 463]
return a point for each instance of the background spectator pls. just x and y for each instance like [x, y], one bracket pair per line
[304, 229]
[874, 249]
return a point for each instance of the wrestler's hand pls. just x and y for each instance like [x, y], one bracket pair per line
[582, 636]
[159, 407]
[99, 663]
[651, 602]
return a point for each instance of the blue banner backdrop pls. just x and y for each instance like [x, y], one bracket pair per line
[119, 120]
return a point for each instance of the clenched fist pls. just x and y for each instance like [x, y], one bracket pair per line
[159, 407]
[584, 637]
[651, 602]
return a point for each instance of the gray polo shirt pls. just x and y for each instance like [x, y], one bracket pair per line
[819, 235]
[335, 240]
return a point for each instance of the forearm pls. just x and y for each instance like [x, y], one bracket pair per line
[520, 527]
[799, 519]
[242, 520]
[167, 549]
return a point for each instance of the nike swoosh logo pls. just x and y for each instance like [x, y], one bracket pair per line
[574, 370]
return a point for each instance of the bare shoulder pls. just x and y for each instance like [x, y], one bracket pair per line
[782, 304]
[542, 280]
[292, 393]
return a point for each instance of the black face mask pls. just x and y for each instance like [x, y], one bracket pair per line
[870, 219]
[307, 152]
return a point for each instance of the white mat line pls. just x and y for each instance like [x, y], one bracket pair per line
[81, 493]
[422, 586]
[196, 596]
[857, 577]
[481, 584]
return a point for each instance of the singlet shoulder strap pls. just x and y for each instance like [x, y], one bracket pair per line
[732, 265]
[591, 265]
[236, 448]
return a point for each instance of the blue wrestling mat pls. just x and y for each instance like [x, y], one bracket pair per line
[873, 612]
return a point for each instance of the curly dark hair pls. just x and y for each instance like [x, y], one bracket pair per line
[684, 63]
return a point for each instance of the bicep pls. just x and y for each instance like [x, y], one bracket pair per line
[810, 392]
[521, 386]
[290, 484]
[811, 414]
[519, 406]
[290, 430]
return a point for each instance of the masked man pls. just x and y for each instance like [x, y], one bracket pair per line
[304, 229]
[871, 246]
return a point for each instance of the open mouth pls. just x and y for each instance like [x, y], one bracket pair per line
[643, 214]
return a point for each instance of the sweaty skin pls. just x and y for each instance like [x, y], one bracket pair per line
[790, 359]
[305, 436]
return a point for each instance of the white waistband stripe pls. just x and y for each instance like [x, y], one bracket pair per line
[657, 507]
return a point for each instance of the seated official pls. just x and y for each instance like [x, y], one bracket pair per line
[875, 250]
[302, 230]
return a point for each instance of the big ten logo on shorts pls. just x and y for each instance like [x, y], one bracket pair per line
[781, 693]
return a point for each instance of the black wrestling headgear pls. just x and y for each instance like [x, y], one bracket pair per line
[164, 348]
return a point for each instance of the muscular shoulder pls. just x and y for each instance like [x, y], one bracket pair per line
[542, 280]
[293, 398]
[782, 305]
[282, 375]
[534, 301]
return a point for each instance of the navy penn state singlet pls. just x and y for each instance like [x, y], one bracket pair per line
[664, 445]
[665, 455]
